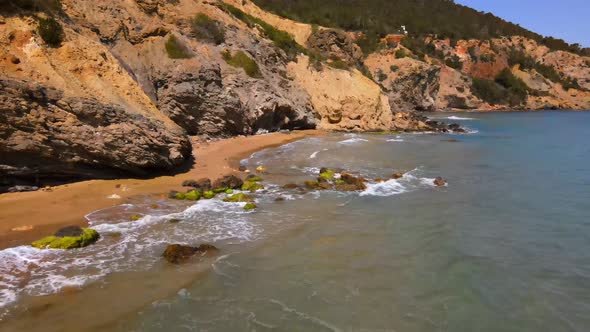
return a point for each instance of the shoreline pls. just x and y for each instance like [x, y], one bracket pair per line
[27, 216]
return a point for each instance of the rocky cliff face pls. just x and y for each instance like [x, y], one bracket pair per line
[131, 80]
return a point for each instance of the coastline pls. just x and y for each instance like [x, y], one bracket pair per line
[41, 213]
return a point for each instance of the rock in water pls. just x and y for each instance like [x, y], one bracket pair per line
[177, 253]
[68, 238]
[228, 182]
[397, 175]
[439, 182]
[241, 197]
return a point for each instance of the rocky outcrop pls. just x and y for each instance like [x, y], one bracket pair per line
[45, 134]
[343, 99]
[335, 45]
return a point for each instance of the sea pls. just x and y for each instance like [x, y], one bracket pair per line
[504, 246]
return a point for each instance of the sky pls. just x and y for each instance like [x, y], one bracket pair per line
[565, 19]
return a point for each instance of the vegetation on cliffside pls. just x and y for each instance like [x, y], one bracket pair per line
[377, 18]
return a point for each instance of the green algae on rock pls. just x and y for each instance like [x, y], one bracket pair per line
[192, 195]
[229, 191]
[328, 175]
[241, 197]
[252, 186]
[208, 194]
[87, 237]
[135, 217]
[250, 206]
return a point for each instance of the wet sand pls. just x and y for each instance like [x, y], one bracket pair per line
[24, 217]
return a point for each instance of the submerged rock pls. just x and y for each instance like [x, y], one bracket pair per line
[253, 178]
[291, 186]
[397, 175]
[241, 197]
[252, 186]
[439, 182]
[250, 206]
[261, 169]
[68, 238]
[177, 253]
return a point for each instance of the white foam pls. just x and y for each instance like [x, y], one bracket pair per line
[27, 270]
[354, 140]
[395, 140]
[459, 118]
[387, 188]
[314, 155]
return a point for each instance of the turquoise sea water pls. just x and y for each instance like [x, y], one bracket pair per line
[504, 247]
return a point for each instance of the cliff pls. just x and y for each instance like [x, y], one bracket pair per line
[121, 88]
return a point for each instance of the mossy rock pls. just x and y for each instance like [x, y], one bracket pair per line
[241, 197]
[311, 184]
[328, 175]
[252, 186]
[339, 182]
[220, 190]
[88, 237]
[253, 178]
[208, 194]
[135, 217]
[250, 206]
[192, 195]
[179, 196]
[229, 191]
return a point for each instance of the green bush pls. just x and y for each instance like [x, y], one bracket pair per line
[207, 29]
[506, 89]
[339, 64]
[400, 53]
[381, 76]
[454, 62]
[241, 60]
[280, 38]
[176, 49]
[50, 31]
[394, 68]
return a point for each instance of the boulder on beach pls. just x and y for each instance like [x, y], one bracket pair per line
[228, 182]
[178, 253]
[68, 238]
[440, 182]
[208, 194]
[193, 195]
[201, 185]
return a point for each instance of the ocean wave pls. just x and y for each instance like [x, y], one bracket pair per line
[314, 155]
[124, 246]
[459, 118]
[395, 140]
[409, 182]
[353, 140]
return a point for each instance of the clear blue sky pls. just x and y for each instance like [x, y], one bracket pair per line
[565, 19]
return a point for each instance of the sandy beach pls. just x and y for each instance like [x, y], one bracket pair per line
[26, 216]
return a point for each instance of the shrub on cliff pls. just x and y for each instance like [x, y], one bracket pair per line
[48, 6]
[506, 89]
[454, 62]
[176, 49]
[50, 31]
[242, 60]
[280, 38]
[207, 29]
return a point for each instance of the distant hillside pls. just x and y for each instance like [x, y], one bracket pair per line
[377, 18]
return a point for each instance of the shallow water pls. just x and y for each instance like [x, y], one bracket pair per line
[504, 247]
